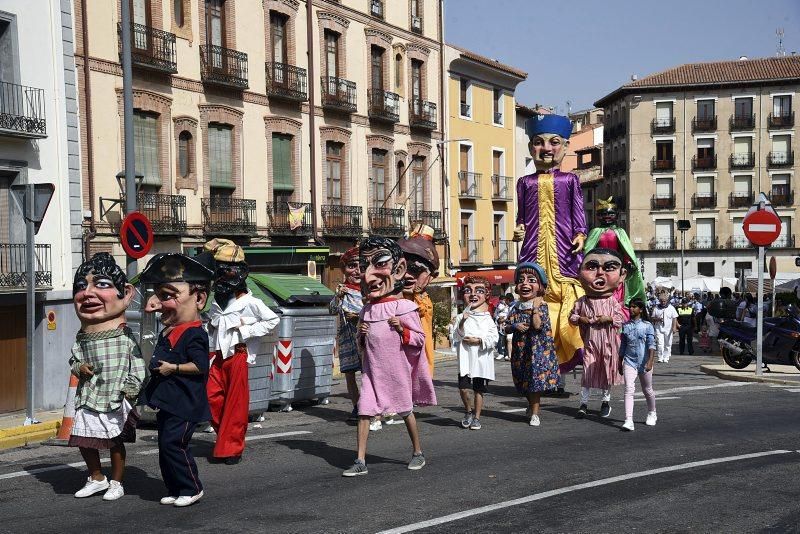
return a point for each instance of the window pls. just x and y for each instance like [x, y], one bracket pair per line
[332, 55]
[376, 8]
[466, 94]
[664, 188]
[742, 150]
[739, 266]
[185, 154]
[663, 114]
[705, 268]
[277, 24]
[781, 106]
[785, 239]
[398, 72]
[416, 82]
[705, 186]
[220, 149]
[417, 183]
[333, 174]
[664, 151]
[705, 149]
[145, 135]
[282, 183]
[743, 108]
[215, 26]
[705, 109]
[498, 106]
[416, 16]
[739, 239]
[664, 239]
[376, 54]
[400, 186]
[705, 236]
[378, 178]
[780, 184]
[780, 149]
[468, 252]
[177, 8]
[464, 153]
[666, 269]
[140, 15]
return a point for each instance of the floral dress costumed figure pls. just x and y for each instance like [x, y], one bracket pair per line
[534, 364]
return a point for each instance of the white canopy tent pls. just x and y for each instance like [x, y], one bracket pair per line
[711, 284]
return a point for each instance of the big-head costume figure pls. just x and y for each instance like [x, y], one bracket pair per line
[394, 371]
[609, 235]
[552, 227]
[599, 316]
[237, 323]
[422, 262]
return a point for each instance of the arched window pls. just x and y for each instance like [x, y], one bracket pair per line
[398, 71]
[177, 8]
[401, 190]
[184, 154]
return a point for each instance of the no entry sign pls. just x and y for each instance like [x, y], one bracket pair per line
[762, 227]
[136, 235]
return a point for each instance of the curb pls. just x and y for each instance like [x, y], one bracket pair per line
[737, 377]
[20, 436]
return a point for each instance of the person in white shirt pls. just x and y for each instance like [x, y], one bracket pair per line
[747, 311]
[238, 321]
[665, 322]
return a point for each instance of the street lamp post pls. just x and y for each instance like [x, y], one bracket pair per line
[683, 226]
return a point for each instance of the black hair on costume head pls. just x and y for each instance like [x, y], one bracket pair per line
[601, 250]
[101, 264]
[375, 241]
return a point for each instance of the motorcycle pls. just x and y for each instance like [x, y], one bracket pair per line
[781, 343]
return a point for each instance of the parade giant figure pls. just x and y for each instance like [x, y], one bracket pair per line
[552, 227]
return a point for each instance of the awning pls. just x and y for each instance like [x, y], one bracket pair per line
[495, 276]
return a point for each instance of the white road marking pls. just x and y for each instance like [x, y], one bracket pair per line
[577, 487]
[31, 472]
[657, 398]
[794, 390]
[248, 438]
[698, 388]
[513, 410]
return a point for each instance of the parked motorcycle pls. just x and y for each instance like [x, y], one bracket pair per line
[781, 343]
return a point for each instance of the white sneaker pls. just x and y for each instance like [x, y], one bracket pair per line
[651, 419]
[187, 500]
[92, 486]
[534, 420]
[499, 357]
[375, 425]
[661, 360]
[168, 500]
[114, 491]
[628, 425]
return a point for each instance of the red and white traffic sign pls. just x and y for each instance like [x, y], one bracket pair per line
[136, 235]
[762, 227]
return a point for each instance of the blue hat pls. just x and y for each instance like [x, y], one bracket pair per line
[535, 267]
[552, 124]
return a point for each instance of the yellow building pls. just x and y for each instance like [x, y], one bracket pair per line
[481, 156]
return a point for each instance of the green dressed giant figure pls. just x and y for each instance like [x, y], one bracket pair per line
[609, 235]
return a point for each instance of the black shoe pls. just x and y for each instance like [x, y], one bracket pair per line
[582, 411]
[605, 409]
[233, 460]
[561, 393]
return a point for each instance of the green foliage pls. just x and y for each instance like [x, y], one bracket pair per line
[441, 318]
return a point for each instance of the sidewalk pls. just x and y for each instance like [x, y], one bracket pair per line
[13, 433]
[779, 374]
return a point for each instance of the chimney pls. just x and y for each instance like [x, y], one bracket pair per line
[634, 77]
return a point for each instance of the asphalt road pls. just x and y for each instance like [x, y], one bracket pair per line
[723, 458]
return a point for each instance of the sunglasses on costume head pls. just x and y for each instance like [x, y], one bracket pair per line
[608, 267]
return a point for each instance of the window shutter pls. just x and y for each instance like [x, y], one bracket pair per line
[220, 151]
[145, 139]
[282, 163]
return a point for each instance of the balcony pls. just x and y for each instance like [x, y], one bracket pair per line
[339, 94]
[376, 8]
[704, 163]
[503, 251]
[780, 159]
[342, 221]
[663, 243]
[740, 200]
[14, 272]
[662, 126]
[738, 242]
[784, 120]
[229, 216]
[286, 221]
[502, 188]
[167, 213]
[416, 24]
[469, 184]
[151, 49]
[387, 222]
[742, 122]
[781, 198]
[286, 82]
[422, 114]
[704, 124]
[703, 201]
[704, 243]
[783, 241]
[662, 202]
[431, 218]
[471, 251]
[223, 67]
[383, 105]
[742, 161]
[662, 165]
[22, 111]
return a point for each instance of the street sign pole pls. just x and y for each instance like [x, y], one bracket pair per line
[30, 290]
[127, 101]
[760, 316]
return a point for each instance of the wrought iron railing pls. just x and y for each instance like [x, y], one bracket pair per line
[502, 187]
[662, 202]
[666, 164]
[422, 114]
[704, 242]
[469, 184]
[784, 241]
[782, 120]
[339, 94]
[504, 251]
[704, 201]
[151, 48]
[742, 122]
[431, 218]
[471, 251]
[290, 218]
[229, 216]
[738, 242]
[663, 243]
[388, 222]
[704, 163]
[785, 198]
[342, 221]
[662, 126]
[22, 111]
[740, 200]
[744, 160]
[287, 82]
[383, 105]
[13, 268]
[704, 124]
[780, 159]
[223, 66]
[167, 213]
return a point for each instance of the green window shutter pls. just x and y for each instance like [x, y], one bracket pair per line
[220, 155]
[282, 163]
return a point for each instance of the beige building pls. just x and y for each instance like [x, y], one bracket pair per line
[699, 142]
[249, 110]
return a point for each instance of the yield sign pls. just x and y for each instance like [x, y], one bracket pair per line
[762, 227]
[136, 235]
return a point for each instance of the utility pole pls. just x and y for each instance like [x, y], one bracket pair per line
[127, 101]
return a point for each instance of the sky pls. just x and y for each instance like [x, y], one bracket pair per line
[581, 50]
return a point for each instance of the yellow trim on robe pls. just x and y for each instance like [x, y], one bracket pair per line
[425, 310]
[562, 291]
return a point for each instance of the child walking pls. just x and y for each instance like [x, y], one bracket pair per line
[474, 339]
[705, 338]
[638, 353]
